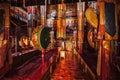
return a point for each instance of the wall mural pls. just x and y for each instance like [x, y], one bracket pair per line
[71, 17]
[71, 10]
[71, 25]
[52, 12]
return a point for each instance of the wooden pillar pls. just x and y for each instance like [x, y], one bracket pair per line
[6, 8]
[4, 35]
[100, 62]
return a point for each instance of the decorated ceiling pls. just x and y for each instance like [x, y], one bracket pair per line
[42, 2]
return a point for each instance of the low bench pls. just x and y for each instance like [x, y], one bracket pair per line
[34, 69]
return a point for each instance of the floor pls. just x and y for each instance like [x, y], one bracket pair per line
[69, 69]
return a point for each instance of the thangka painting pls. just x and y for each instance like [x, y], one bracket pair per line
[71, 25]
[71, 11]
[52, 12]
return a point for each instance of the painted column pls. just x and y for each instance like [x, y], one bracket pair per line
[61, 24]
[43, 14]
[29, 9]
[80, 9]
[7, 23]
[106, 47]
[32, 19]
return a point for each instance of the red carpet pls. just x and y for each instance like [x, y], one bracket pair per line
[68, 69]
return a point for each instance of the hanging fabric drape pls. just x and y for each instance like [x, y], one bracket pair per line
[110, 26]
